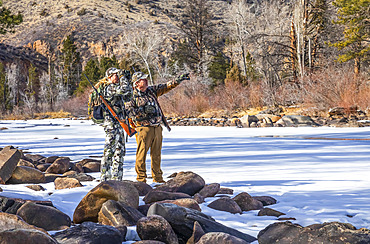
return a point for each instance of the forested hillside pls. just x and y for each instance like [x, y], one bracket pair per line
[240, 53]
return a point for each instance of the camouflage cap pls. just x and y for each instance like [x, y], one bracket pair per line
[111, 71]
[138, 76]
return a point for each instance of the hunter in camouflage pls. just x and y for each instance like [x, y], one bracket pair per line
[147, 116]
[117, 92]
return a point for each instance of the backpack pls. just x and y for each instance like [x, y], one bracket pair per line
[96, 106]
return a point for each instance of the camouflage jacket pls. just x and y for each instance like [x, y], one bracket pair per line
[117, 95]
[144, 108]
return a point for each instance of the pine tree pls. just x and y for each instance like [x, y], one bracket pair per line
[234, 74]
[106, 63]
[8, 20]
[354, 16]
[92, 71]
[5, 100]
[218, 69]
[71, 65]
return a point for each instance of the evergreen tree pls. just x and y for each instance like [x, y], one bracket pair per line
[92, 71]
[218, 69]
[234, 74]
[8, 20]
[71, 65]
[5, 100]
[354, 16]
[32, 91]
[106, 62]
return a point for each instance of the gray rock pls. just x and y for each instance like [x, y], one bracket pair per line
[246, 120]
[21, 236]
[46, 217]
[333, 232]
[90, 205]
[220, 238]
[66, 183]
[155, 227]
[225, 191]
[182, 221]
[24, 175]
[51, 159]
[198, 198]
[156, 195]
[90, 165]
[11, 221]
[297, 120]
[43, 167]
[265, 200]
[89, 233]
[80, 177]
[269, 212]
[36, 187]
[246, 202]
[142, 187]
[9, 158]
[149, 242]
[210, 190]
[24, 162]
[198, 232]
[60, 166]
[225, 204]
[185, 182]
[117, 214]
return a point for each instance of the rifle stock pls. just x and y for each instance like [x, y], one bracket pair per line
[124, 126]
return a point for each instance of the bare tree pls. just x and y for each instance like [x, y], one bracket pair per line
[144, 42]
[13, 77]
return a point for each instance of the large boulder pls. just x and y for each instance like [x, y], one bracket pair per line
[64, 183]
[142, 187]
[24, 174]
[220, 238]
[59, 166]
[89, 207]
[11, 221]
[156, 196]
[247, 120]
[333, 232]
[225, 204]
[198, 232]
[9, 158]
[117, 214]
[182, 221]
[11, 205]
[265, 200]
[24, 162]
[296, 120]
[185, 182]
[29, 236]
[155, 227]
[46, 217]
[210, 190]
[89, 233]
[89, 165]
[186, 203]
[246, 202]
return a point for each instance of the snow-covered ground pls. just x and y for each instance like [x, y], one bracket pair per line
[314, 174]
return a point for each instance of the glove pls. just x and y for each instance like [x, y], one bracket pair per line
[183, 77]
[150, 109]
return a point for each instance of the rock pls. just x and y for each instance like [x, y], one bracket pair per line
[220, 238]
[225, 204]
[149, 242]
[246, 120]
[269, 212]
[36, 158]
[64, 183]
[89, 232]
[144, 209]
[210, 190]
[155, 227]
[185, 182]
[9, 158]
[296, 120]
[198, 198]
[51, 177]
[18, 236]
[90, 165]
[225, 191]
[24, 174]
[43, 167]
[333, 232]
[46, 217]
[116, 214]
[265, 200]
[246, 202]
[90, 205]
[51, 159]
[24, 162]
[79, 176]
[60, 166]
[142, 187]
[11, 221]
[198, 232]
[11, 205]
[36, 187]
[182, 221]
[156, 195]
[186, 203]
[336, 111]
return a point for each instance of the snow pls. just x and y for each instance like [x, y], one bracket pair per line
[317, 174]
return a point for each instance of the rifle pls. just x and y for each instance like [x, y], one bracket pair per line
[108, 108]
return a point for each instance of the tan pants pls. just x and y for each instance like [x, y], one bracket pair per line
[149, 137]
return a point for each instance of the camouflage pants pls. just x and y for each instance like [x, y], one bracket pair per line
[114, 151]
